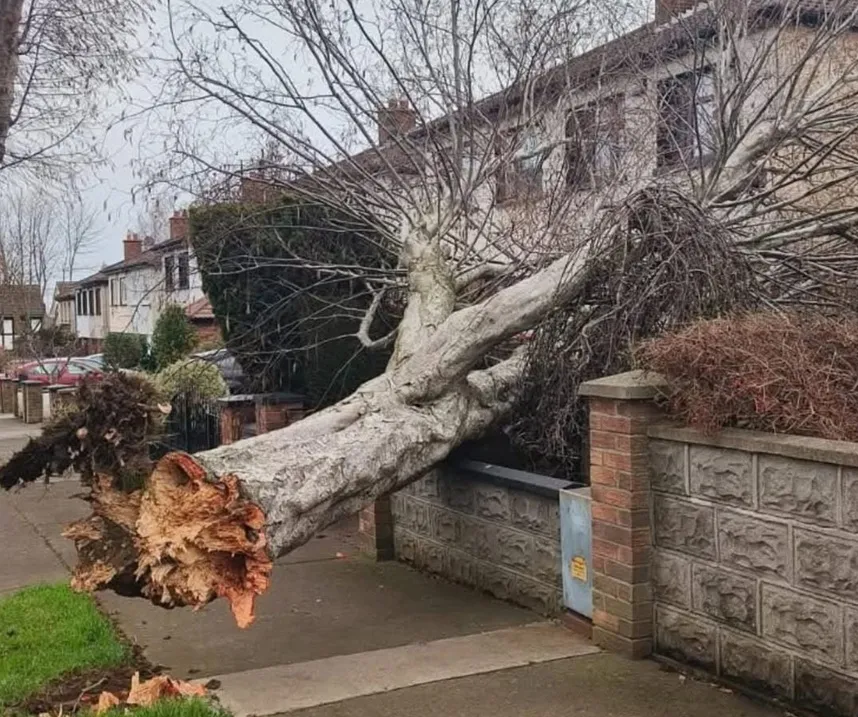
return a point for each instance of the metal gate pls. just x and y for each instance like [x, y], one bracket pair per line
[193, 425]
[576, 547]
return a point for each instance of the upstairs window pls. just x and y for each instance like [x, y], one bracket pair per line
[169, 274]
[594, 143]
[520, 174]
[184, 273]
[118, 292]
[686, 118]
[7, 334]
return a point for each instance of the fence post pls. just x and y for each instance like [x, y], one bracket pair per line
[621, 409]
[33, 412]
[235, 411]
[277, 410]
[8, 394]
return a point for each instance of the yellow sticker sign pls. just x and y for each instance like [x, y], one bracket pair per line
[579, 568]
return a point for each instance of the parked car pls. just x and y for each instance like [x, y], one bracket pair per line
[227, 365]
[68, 372]
[96, 359]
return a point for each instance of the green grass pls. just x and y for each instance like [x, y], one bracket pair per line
[194, 707]
[49, 630]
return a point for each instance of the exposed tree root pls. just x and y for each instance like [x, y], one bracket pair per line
[183, 540]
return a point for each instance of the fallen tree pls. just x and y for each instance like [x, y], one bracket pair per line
[588, 281]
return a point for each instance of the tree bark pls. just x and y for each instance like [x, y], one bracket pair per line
[10, 22]
[211, 525]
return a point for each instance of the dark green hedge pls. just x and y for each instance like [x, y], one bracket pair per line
[290, 320]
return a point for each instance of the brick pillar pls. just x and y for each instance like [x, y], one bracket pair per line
[63, 397]
[33, 402]
[621, 409]
[375, 527]
[277, 410]
[8, 395]
[18, 407]
[235, 411]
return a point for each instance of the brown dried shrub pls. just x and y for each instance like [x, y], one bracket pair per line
[779, 372]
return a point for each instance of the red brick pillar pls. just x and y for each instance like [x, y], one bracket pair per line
[621, 409]
[375, 526]
[235, 412]
[277, 410]
[33, 412]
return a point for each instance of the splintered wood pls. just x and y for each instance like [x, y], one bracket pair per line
[185, 539]
[144, 694]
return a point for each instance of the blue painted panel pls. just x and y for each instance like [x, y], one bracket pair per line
[576, 546]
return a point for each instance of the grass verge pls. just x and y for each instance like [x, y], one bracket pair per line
[194, 707]
[49, 630]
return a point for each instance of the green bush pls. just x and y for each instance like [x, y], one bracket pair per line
[290, 326]
[192, 376]
[125, 350]
[173, 338]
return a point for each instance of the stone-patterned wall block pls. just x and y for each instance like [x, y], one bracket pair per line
[850, 499]
[725, 596]
[799, 488]
[683, 526]
[752, 663]
[693, 641]
[492, 502]
[722, 475]
[813, 626]
[824, 691]
[667, 461]
[826, 562]
[671, 578]
[761, 546]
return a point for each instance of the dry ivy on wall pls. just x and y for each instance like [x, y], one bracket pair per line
[669, 264]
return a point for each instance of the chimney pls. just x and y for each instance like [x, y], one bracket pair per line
[132, 245]
[666, 10]
[179, 225]
[395, 120]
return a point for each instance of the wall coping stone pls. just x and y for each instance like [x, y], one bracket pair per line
[631, 385]
[805, 448]
[511, 478]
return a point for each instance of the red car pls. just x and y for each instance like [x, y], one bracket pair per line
[68, 372]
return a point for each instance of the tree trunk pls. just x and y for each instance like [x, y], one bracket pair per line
[10, 22]
[211, 525]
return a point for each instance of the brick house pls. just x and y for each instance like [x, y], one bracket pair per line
[21, 309]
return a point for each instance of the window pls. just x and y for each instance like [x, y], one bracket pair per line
[169, 262]
[520, 174]
[594, 143]
[79, 302]
[686, 127]
[97, 293]
[7, 334]
[118, 292]
[184, 271]
[35, 323]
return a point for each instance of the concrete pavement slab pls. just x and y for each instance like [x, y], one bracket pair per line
[27, 559]
[313, 610]
[593, 686]
[286, 688]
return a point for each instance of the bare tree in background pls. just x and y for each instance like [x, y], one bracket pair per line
[60, 60]
[511, 201]
[42, 238]
[78, 232]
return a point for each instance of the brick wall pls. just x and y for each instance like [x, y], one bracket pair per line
[755, 563]
[498, 538]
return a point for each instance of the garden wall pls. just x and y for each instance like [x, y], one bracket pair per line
[755, 561]
[490, 527]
